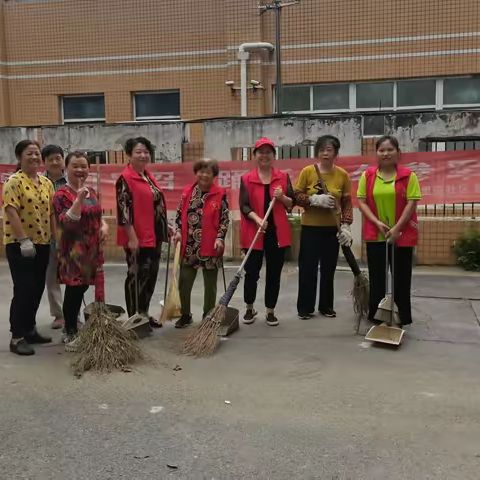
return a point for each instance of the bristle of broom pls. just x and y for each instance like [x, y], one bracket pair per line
[104, 345]
[202, 342]
[360, 294]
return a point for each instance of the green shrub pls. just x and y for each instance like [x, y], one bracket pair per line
[467, 250]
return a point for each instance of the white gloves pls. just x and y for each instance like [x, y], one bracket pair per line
[27, 248]
[344, 236]
[323, 201]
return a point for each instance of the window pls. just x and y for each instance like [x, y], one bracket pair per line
[461, 91]
[411, 93]
[375, 95]
[154, 105]
[331, 97]
[296, 99]
[84, 108]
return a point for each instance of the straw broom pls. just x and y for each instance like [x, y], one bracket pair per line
[202, 342]
[103, 345]
[361, 288]
[171, 306]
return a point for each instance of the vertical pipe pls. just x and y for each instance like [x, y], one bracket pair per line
[278, 54]
[243, 86]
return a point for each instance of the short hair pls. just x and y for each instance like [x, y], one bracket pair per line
[51, 150]
[131, 143]
[388, 138]
[76, 154]
[206, 163]
[324, 141]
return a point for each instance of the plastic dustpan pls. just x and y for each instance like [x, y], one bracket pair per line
[230, 323]
[385, 334]
[138, 323]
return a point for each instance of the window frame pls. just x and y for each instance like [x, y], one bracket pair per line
[81, 120]
[156, 117]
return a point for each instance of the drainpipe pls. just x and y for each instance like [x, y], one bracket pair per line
[243, 56]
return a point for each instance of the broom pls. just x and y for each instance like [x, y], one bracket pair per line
[361, 288]
[171, 307]
[202, 342]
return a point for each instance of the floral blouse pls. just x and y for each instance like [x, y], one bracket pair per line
[125, 208]
[192, 257]
[80, 253]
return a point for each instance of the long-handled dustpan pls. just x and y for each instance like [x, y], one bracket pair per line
[387, 312]
[138, 323]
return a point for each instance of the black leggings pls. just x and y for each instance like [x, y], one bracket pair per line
[317, 244]
[274, 258]
[72, 302]
[28, 275]
[376, 256]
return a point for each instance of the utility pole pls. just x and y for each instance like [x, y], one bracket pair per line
[277, 6]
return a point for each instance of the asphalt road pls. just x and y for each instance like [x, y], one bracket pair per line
[306, 400]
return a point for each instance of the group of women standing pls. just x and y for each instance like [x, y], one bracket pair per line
[37, 219]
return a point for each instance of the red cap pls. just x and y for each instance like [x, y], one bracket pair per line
[264, 141]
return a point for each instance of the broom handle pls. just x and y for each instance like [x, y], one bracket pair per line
[269, 210]
[166, 273]
[135, 266]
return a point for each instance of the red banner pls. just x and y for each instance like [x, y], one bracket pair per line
[445, 177]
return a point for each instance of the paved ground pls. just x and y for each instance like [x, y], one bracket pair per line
[309, 400]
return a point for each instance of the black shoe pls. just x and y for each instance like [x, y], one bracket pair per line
[22, 348]
[154, 323]
[304, 316]
[328, 312]
[184, 321]
[35, 338]
[249, 316]
[272, 320]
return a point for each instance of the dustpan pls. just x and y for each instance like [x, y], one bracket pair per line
[231, 321]
[387, 312]
[138, 323]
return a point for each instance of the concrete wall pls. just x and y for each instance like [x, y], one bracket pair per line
[220, 136]
[411, 128]
[167, 138]
[9, 137]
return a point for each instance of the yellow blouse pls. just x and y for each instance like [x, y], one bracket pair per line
[33, 204]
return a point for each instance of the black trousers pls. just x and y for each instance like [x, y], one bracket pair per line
[29, 277]
[72, 302]
[376, 256]
[274, 259]
[148, 263]
[317, 245]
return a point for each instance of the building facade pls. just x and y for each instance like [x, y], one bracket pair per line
[118, 61]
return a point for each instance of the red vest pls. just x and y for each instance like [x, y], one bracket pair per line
[212, 207]
[143, 213]
[256, 193]
[409, 234]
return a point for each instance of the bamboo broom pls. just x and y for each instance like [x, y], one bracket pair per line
[202, 342]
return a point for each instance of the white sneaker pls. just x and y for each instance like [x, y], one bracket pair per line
[71, 343]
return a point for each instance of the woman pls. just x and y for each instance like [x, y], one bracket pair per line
[257, 189]
[202, 224]
[142, 225]
[28, 224]
[320, 238]
[81, 233]
[388, 197]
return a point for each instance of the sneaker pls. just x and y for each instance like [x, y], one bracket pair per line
[35, 338]
[249, 316]
[272, 320]
[304, 316]
[58, 323]
[184, 321]
[154, 323]
[328, 312]
[21, 348]
[71, 343]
